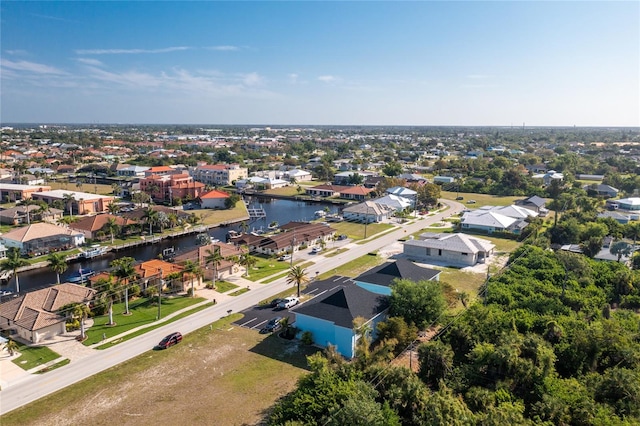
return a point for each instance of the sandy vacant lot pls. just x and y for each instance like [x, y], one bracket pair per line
[224, 376]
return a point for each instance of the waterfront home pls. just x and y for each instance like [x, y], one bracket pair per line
[95, 226]
[18, 215]
[42, 238]
[214, 199]
[219, 174]
[33, 316]
[327, 190]
[368, 212]
[450, 249]
[358, 193]
[294, 236]
[168, 187]
[298, 175]
[228, 265]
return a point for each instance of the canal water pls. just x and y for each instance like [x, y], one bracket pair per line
[281, 211]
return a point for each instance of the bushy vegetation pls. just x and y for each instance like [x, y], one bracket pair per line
[548, 346]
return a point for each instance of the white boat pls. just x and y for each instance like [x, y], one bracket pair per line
[94, 251]
[82, 276]
[320, 213]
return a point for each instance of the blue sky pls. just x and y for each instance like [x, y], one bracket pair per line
[367, 63]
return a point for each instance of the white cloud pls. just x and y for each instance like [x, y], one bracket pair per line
[252, 79]
[90, 61]
[223, 48]
[17, 52]
[293, 78]
[327, 78]
[129, 51]
[31, 67]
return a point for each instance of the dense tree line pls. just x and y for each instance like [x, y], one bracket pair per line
[548, 345]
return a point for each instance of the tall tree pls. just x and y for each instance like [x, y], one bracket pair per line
[12, 263]
[124, 271]
[68, 200]
[112, 227]
[298, 276]
[58, 264]
[213, 258]
[194, 272]
[150, 216]
[419, 303]
[27, 203]
[81, 311]
[247, 261]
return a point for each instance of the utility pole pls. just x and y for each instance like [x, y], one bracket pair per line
[159, 291]
[293, 245]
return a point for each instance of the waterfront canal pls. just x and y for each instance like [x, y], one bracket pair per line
[281, 211]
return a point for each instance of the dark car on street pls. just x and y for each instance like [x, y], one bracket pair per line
[274, 324]
[274, 303]
[170, 340]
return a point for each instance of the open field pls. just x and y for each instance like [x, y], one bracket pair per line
[84, 187]
[214, 217]
[481, 199]
[355, 230]
[224, 376]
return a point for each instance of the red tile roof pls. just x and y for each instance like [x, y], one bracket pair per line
[215, 194]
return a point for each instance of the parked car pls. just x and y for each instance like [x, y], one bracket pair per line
[342, 237]
[274, 324]
[316, 250]
[471, 202]
[170, 340]
[284, 257]
[459, 197]
[275, 302]
[288, 302]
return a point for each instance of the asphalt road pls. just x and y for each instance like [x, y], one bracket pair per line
[36, 386]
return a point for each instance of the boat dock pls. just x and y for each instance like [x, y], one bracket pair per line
[256, 213]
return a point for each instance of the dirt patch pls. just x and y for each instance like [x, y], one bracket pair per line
[221, 377]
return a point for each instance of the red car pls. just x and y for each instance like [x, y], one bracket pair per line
[170, 340]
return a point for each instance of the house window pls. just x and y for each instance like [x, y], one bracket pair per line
[428, 252]
[464, 254]
[439, 252]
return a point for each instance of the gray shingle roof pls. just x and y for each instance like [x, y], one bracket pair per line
[401, 268]
[343, 304]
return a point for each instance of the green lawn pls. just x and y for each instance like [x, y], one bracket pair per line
[33, 356]
[355, 267]
[481, 199]
[356, 230]
[267, 267]
[153, 327]
[85, 187]
[143, 311]
[224, 286]
[239, 292]
[463, 281]
[215, 217]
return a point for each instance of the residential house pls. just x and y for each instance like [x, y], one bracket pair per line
[358, 193]
[131, 170]
[600, 189]
[169, 187]
[219, 174]
[161, 273]
[228, 265]
[549, 177]
[326, 190]
[42, 238]
[330, 317]
[214, 199]
[443, 179]
[621, 218]
[534, 203]
[298, 175]
[95, 226]
[294, 236]
[631, 204]
[379, 279]
[450, 249]
[34, 315]
[344, 178]
[395, 202]
[368, 212]
[81, 203]
[406, 193]
[491, 219]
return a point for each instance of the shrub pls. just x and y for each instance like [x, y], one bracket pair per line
[307, 338]
[73, 325]
[134, 291]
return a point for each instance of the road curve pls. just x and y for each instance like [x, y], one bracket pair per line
[36, 386]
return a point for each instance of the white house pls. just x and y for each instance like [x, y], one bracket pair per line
[42, 238]
[395, 202]
[403, 192]
[214, 199]
[451, 249]
[368, 211]
[298, 175]
[549, 177]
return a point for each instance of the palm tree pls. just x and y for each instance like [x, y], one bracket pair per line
[12, 263]
[44, 208]
[26, 203]
[112, 227]
[247, 261]
[244, 227]
[113, 208]
[107, 292]
[150, 216]
[194, 271]
[58, 263]
[298, 276]
[68, 200]
[463, 297]
[81, 311]
[124, 271]
[214, 258]
[11, 346]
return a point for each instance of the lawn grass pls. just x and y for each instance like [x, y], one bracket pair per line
[481, 199]
[355, 230]
[54, 366]
[203, 380]
[355, 267]
[463, 281]
[239, 292]
[336, 252]
[33, 356]
[287, 191]
[266, 267]
[224, 286]
[102, 189]
[274, 278]
[153, 327]
[215, 217]
[143, 311]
